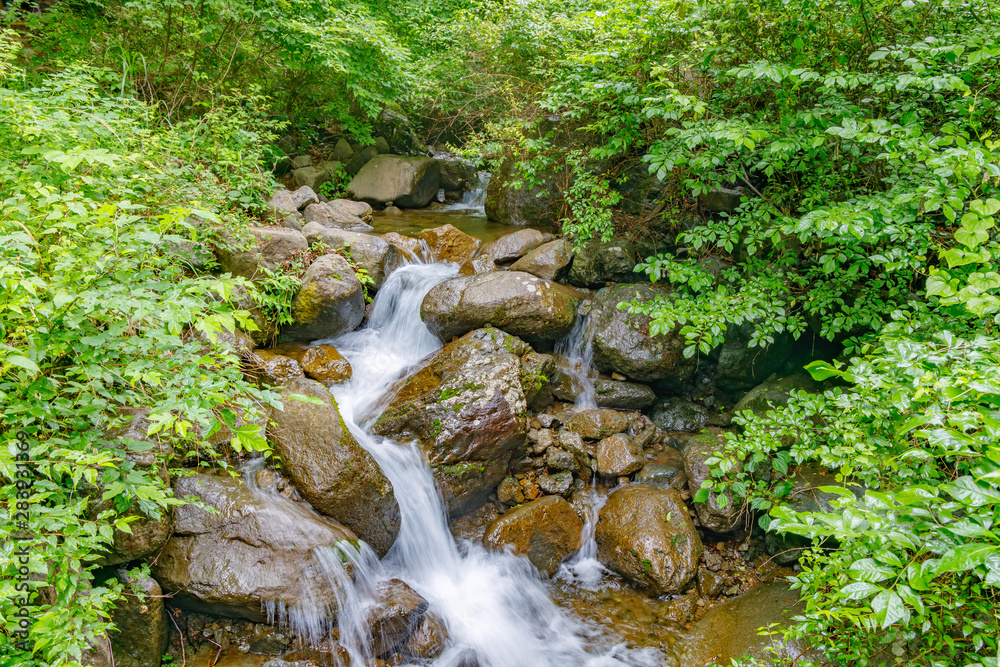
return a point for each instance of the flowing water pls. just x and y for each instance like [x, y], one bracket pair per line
[577, 353]
[497, 609]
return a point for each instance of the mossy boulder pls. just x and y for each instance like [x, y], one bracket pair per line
[373, 254]
[646, 535]
[406, 182]
[329, 302]
[513, 246]
[510, 205]
[266, 248]
[466, 409]
[712, 515]
[775, 392]
[601, 262]
[328, 466]
[519, 303]
[549, 260]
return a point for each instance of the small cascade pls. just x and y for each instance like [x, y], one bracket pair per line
[473, 199]
[583, 569]
[577, 352]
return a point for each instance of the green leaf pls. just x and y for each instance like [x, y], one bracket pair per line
[22, 362]
[889, 609]
[821, 370]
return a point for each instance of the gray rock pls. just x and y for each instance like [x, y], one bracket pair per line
[676, 414]
[513, 246]
[330, 469]
[456, 175]
[407, 182]
[741, 367]
[618, 455]
[256, 548]
[139, 638]
[646, 535]
[313, 177]
[622, 341]
[342, 151]
[775, 393]
[711, 514]
[545, 531]
[329, 302]
[399, 133]
[335, 217]
[721, 199]
[556, 484]
[549, 260]
[600, 262]
[268, 248]
[538, 206]
[659, 475]
[301, 161]
[303, 197]
[382, 146]
[466, 409]
[519, 303]
[360, 158]
[622, 395]
[282, 203]
[371, 253]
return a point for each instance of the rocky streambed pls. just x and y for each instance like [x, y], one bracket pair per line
[490, 464]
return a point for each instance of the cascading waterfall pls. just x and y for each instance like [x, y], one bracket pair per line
[577, 351]
[495, 606]
[583, 569]
[474, 198]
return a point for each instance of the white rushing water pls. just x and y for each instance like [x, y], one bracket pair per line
[577, 353]
[473, 199]
[495, 606]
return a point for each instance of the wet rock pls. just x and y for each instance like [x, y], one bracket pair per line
[334, 217]
[254, 549]
[395, 616]
[373, 254]
[775, 393]
[618, 455]
[427, 640]
[597, 424]
[329, 302]
[476, 266]
[450, 244]
[556, 484]
[721, 199]
[508, 205]
[557, 458]
[549, 261]
[741, 367]
[600, 262]
[513, 246]
[710, 584]
[139, 636]
[267, 248]
[546, 531]
[326, 364]
[622, 395]
[466, 408]
[676, 414]
[573, 442]
[408, 246]
[711, 515]
[730, 631]
[456, 175]
[646, 535]
[266, 367]
[406, 182]
[622, 341]
[519, 303]
[536, 369]
[311, 177]
[659, 475]
[330, 469]
[509, 492]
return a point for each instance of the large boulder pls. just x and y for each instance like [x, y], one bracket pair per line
[375, 255]
[395, 616]
[776, 392]
[457, 175]
[715, 516]
[450, 244]
[319, 362]
[513, 246]
[361, 157]
[466, 409]
[246, 550]
[398, 132]
[328, 466]
[677, 414]
[139, 636]
[741, 366]
[622, 341]
[311, 177]
[510, 205]
[330, 301]
[406, 182]
[619, 455]
[549, 260]
[519, 303]
[267, 248]
[622, 395]
[731, 630]
[646, 535]
[546, 531]
[336, 217]
[600, 262]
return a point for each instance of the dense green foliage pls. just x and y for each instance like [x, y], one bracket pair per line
[863, 136]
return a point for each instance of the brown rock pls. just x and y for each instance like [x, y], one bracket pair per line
[330, 301]
[512, 246]
[545, 531]
[450, 244]
[409, 246]
[267, 248]
[267, 367]
[549, 261]
[618, 455]
[395, 616]
[324, 363]
[139, 636]
[476, 266]
[646, 535]
[711, 514]
[597, 424]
